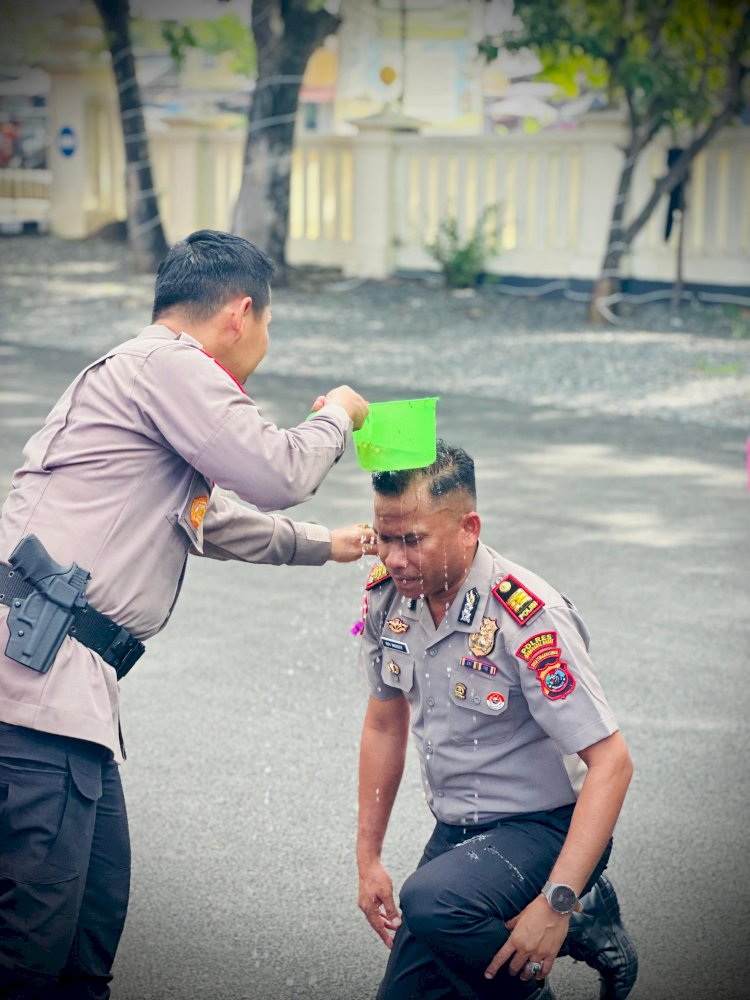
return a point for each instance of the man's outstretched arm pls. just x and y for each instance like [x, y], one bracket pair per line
[232, 530]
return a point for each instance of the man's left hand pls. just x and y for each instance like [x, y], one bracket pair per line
[348, 544]
[537, 934]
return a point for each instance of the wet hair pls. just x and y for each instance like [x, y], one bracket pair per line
[452, 470]
[206, 270]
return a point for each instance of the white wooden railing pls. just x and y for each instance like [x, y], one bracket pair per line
[369, 204]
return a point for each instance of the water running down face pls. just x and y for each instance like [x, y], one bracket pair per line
[427, 543]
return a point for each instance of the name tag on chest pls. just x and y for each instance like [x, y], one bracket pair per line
[394, 644]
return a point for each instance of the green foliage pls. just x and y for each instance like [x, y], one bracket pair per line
[668, 58]
[718, 371]
[737, 321]
[178, 38]
[462, 259]
[222, 34]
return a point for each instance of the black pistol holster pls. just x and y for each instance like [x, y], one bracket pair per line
[39, 623]
[47, 602]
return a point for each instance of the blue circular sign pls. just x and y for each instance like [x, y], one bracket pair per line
[66, 140]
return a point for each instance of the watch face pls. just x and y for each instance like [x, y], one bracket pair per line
[562, 898]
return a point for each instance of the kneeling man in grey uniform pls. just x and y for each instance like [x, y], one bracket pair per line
[523, 764]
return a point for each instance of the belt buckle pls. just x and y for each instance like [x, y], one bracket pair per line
[123, 652]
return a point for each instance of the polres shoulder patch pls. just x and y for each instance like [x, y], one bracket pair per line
[378, 574]
[517, 600]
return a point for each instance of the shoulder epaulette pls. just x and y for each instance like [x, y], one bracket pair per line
[378, 574]
[517, 600]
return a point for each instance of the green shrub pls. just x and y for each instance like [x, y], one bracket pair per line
[462, 260]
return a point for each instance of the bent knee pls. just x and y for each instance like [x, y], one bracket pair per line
[433, 909]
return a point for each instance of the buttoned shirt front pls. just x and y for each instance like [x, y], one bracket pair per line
[502, 692]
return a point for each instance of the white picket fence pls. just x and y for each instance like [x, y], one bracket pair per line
[369, 204]
[24, 197]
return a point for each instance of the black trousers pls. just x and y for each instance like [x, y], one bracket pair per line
[454, 907]
[64, 866]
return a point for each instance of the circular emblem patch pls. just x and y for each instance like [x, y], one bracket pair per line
[504, 587]
[460, 691]
[556, 681]
[495, 701]
[394, 668]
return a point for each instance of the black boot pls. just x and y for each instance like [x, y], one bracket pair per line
[597, 937]
[543, 993]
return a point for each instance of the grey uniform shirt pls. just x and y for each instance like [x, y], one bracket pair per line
[501, 693]
[120, 479]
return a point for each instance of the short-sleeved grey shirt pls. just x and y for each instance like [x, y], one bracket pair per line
[501, 693]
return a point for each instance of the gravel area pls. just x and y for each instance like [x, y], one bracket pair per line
[410, 335]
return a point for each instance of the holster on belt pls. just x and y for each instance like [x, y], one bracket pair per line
[47, 602]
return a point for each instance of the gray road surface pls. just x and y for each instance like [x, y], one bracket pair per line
[242, 721]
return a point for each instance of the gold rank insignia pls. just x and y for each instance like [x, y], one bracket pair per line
[517, 600]
[482, 643]
[460, 690]
[397, 625]
[394, 668]
[378, 574]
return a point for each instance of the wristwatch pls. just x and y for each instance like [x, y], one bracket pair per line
[560, 897]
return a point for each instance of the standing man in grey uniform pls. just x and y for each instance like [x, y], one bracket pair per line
[522, 761]
[116, 489]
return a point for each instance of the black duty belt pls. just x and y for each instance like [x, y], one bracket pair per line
[114, 643]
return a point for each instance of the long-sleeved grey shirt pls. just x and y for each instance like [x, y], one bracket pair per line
[121, 479]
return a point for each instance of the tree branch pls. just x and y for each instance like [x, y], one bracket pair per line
[678, 172]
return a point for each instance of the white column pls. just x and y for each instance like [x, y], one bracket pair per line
[81, 91]
[370, 255]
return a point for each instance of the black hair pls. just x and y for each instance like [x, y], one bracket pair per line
[453, 469]
[204, 271]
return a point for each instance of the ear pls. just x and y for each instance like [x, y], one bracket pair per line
[237, 310]
[471, 526]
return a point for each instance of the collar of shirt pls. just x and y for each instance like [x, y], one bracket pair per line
[157, 331]
[481, 578]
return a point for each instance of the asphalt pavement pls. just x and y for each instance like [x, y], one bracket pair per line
[242, 720]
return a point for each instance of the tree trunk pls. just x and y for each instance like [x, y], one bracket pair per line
[286, 34]
[608, 282]
[620, 240]
[145, 233]
[679, 263]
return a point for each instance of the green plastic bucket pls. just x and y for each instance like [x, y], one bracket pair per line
[398, 435]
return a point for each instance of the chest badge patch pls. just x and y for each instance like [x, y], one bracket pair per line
[542, 654]
[484, 668]
[401, 647]
[397, 625]
[460, 691]
[517, 600]
[393, 668]
[198, 511]
[469, 607]
[495, 701]
[378, 574]
[482, 643]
